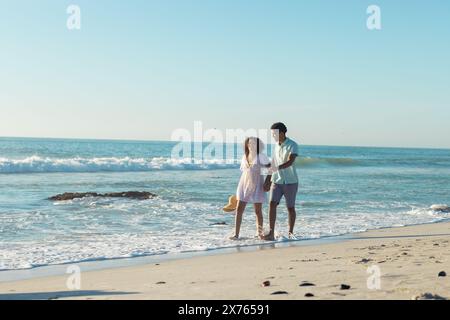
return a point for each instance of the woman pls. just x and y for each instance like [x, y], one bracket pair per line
[250, 188]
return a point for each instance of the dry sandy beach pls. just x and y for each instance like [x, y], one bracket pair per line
[409, 259]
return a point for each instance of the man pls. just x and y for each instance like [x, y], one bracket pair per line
[284, 180]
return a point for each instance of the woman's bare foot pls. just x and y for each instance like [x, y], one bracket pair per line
[260, 233]
[234, 238]
[292, 236]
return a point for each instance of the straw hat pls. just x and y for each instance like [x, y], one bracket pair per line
[232, 204]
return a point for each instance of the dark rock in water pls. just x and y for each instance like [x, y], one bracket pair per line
[309, 295]
[440, 208]
[307, 284]
[218, 224]
[279, 292]
[71, 196]
[161, 282]
[345, 287]
[138, 195]
[442, 274]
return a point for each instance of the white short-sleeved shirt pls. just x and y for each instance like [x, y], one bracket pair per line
[280, 156]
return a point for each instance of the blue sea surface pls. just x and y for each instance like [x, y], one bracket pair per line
[342, 190]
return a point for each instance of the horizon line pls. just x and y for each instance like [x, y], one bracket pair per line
[206, 141]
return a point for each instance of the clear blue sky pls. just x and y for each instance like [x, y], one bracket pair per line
[140, 69]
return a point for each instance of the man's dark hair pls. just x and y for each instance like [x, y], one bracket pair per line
[279, 126]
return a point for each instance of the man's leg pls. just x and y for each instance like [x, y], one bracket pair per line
[290, 195]
[292, 217]
[275, 195]
[272, 219]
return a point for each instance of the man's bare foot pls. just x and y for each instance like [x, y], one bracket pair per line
[234, 238]
[269, 237]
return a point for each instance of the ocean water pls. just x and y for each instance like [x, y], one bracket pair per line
[342, 190]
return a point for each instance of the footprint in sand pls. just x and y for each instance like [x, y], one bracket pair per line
[338, 294]
[279, 292]
[364, 260]
[307, 284]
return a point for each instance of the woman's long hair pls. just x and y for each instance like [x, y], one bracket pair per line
[259, 147]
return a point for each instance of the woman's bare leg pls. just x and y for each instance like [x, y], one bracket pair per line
[259, 219]
[239, 212]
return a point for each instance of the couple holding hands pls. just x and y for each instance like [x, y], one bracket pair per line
[281, 180]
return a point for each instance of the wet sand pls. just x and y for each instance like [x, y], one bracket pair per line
[393, 263]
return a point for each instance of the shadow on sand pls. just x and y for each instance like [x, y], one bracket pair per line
[59, 294]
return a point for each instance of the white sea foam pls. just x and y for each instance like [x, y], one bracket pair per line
[110, 229]
[36, 164]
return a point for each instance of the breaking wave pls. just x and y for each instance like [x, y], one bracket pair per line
[36, 164]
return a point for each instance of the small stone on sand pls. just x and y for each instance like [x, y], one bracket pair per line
[345, 287]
